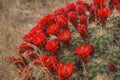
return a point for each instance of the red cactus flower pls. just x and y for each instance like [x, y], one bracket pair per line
[111, 5]
[99, 3]
[73, 18]
[46, 20]
[52, 29]
[31, 54]
[64, 36]
[48, 61]
[52, 45]
[83, 51]
[92, 11]
[36, 28]
[82, 29]
[40, 60]
[93, 49]
[70, 7]
[118, 7]
[64, 70]
[81, 9]
[19, 61]
[103, 14]
[28, 37]
[59, 11]
[114, 4]
[112, 67]
[79, 2]
[23, 47]
[60, 77]
[83, 19]
[38, 39]
[51, 61]
[61, 21]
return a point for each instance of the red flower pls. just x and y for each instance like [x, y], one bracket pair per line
[48, 61]
[59, 11]
[83, 51]
[23, 47]
[82, 29]
[38, 39]
[52, 29]
[99, 3]
[40, 60]
[31, 54]
[19, 61]
[37, 27]
[70, 7]
[112, 67]
[113, 4]
[81, 9]
[72, 16]
[92, 11]
[64, 36]
[52, 45]
[118, 7]
[103, 14]
[46, 20]
[29, 36]
[51, 61]
[83, 19]
[64, 70]
[61, 21]
[79, 2]
[93, 49]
